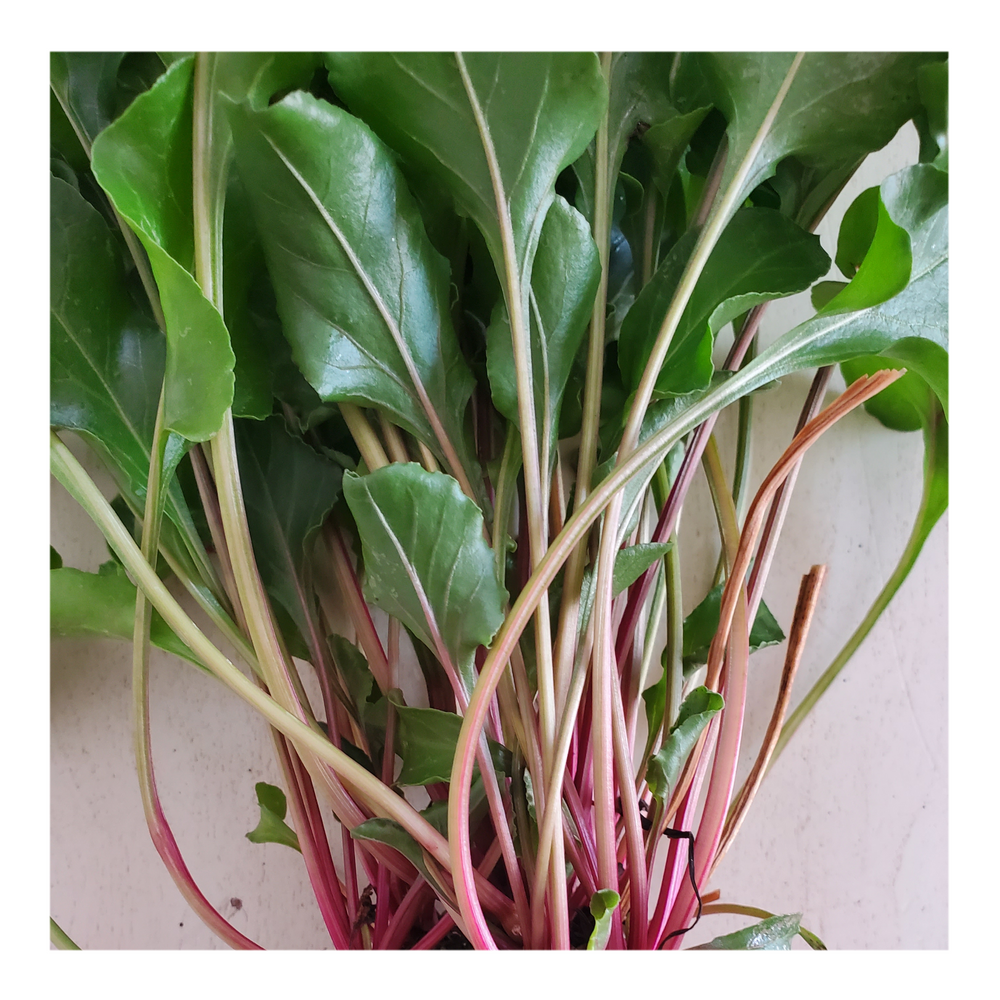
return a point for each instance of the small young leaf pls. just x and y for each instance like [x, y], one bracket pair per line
[633, 561]
[772, 934]
[272, 828]
[665, 765]
[701, 625]
[603, 904]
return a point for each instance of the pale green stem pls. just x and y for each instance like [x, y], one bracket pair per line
[380, 799]
[60, 938]
[372, 452]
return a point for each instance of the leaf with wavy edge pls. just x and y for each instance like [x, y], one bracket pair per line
[143, 162]
[426, 561]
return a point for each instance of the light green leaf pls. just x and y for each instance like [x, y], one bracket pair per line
[603, 904]
[760, 256]
[362, 294]
[564, 280]
[665, 765]
[288, 489]
[772, 934]
[426, 561]
[910, 327]
[531, 113]
[701, 625]
[103, 604]
[272, 828]
[143, 161]
[632, 561]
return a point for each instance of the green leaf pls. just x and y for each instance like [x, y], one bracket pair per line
[564, 280]
[910, 327]
[701, 625]
[84, 84]
[437, 812]
[932, 124]
[387, 831]
[426, 561]
[427, 740]
[144, 162]
[772, 934]
[902, 406]
[106, 358]
[288, 489]
[760, 256]
[632, 561]
[362, 294]
[667, 142]
[536, 113]
[840, 107]
[694, 715]
[272, 828]
[55, 560]
[603, 904]
[102, 604]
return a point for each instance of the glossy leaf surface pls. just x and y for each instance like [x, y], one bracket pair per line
[495, 128]
[85, 83]
[362, 294]
[426, 561]
[106, 357]
[143, 161]
[760, 256]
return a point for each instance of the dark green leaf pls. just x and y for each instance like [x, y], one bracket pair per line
[760, 256]
[427, 740]
[932, 82]
[386, 831]
[55, 560]
[426, 560]
[103, 604]
[603, 904]
[701, 625]
[288, 489]
[772, 934]
[137, 72]
[564, 280]
[107, 359]
[537, 113]
[85, 83]
[144, 162]
[360, 684]
[272, 828]
[665, 765]
[362, 294]
[819, 121]
[437, 812]
[633, 561]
